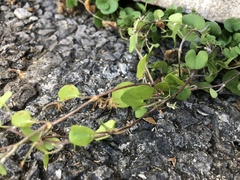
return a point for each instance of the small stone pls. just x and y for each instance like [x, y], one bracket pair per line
[22, 13]
[3, 8]
[18, 24]
[33, 18]
[59, 16]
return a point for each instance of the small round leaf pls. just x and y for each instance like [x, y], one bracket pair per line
[22, 119]
[67, 92]
[158, 14]
[81, 135]
[194, 20]
[232, 25]
[184, 94]
[107, 6]
[215, 29]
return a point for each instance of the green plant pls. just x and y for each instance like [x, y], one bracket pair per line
[213, 54]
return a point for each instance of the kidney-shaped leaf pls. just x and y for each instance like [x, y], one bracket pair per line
[214, 28]
[67, 92]
[81, 135]
[107, 6]
[116, 95]
[234, 83]
[232, 24]
[22, 119]
[194, 61]
[194, 20]
[184, 94]
[158, 14]
[135, 96]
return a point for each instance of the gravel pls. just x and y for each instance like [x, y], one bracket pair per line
[198, 140]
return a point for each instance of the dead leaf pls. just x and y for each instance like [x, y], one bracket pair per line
[109, 24]
[89, 7]
[160, 24]
[238, 104]
[173, 160]
[60, 7]
[160, 111]
[170, 54]
[150, 120]
[58, 105]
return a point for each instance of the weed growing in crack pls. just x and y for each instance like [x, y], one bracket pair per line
[214, 53]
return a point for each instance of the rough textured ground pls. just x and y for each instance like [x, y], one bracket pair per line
[52, 50]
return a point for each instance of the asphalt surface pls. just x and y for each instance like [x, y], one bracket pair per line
[198, 140]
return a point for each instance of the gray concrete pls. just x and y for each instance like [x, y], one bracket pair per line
[217, 10]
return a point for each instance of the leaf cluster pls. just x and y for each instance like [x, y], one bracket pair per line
[213, 53]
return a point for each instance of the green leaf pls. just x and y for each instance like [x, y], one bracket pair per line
[140, 7]
[45, 161]
[232, 25]
[184, 94]
[203, 85]
[163, 86]
[71, 3]
[234, 83]
[116, 95]
[109, 125]
[162, 65]
[194, 20]
[107, 6]
[133, 42]
[173, 80]
[3, 171]
[215, 29]
[174, 24]
[50, 143]
[158, 14]
[5, 98]
[96, 19]
[208, 39]
[41, 147]
[213, 93]
[139, 112]
[230, 52]
[213, 72]
[194, 61]
[235, 40]
[141, 67]
[136, 95]
[81, 135]
[67, 92]
[27, 131]
[176, 18]
[22, 119]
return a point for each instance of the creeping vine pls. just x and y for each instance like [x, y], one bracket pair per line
[214, 53]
